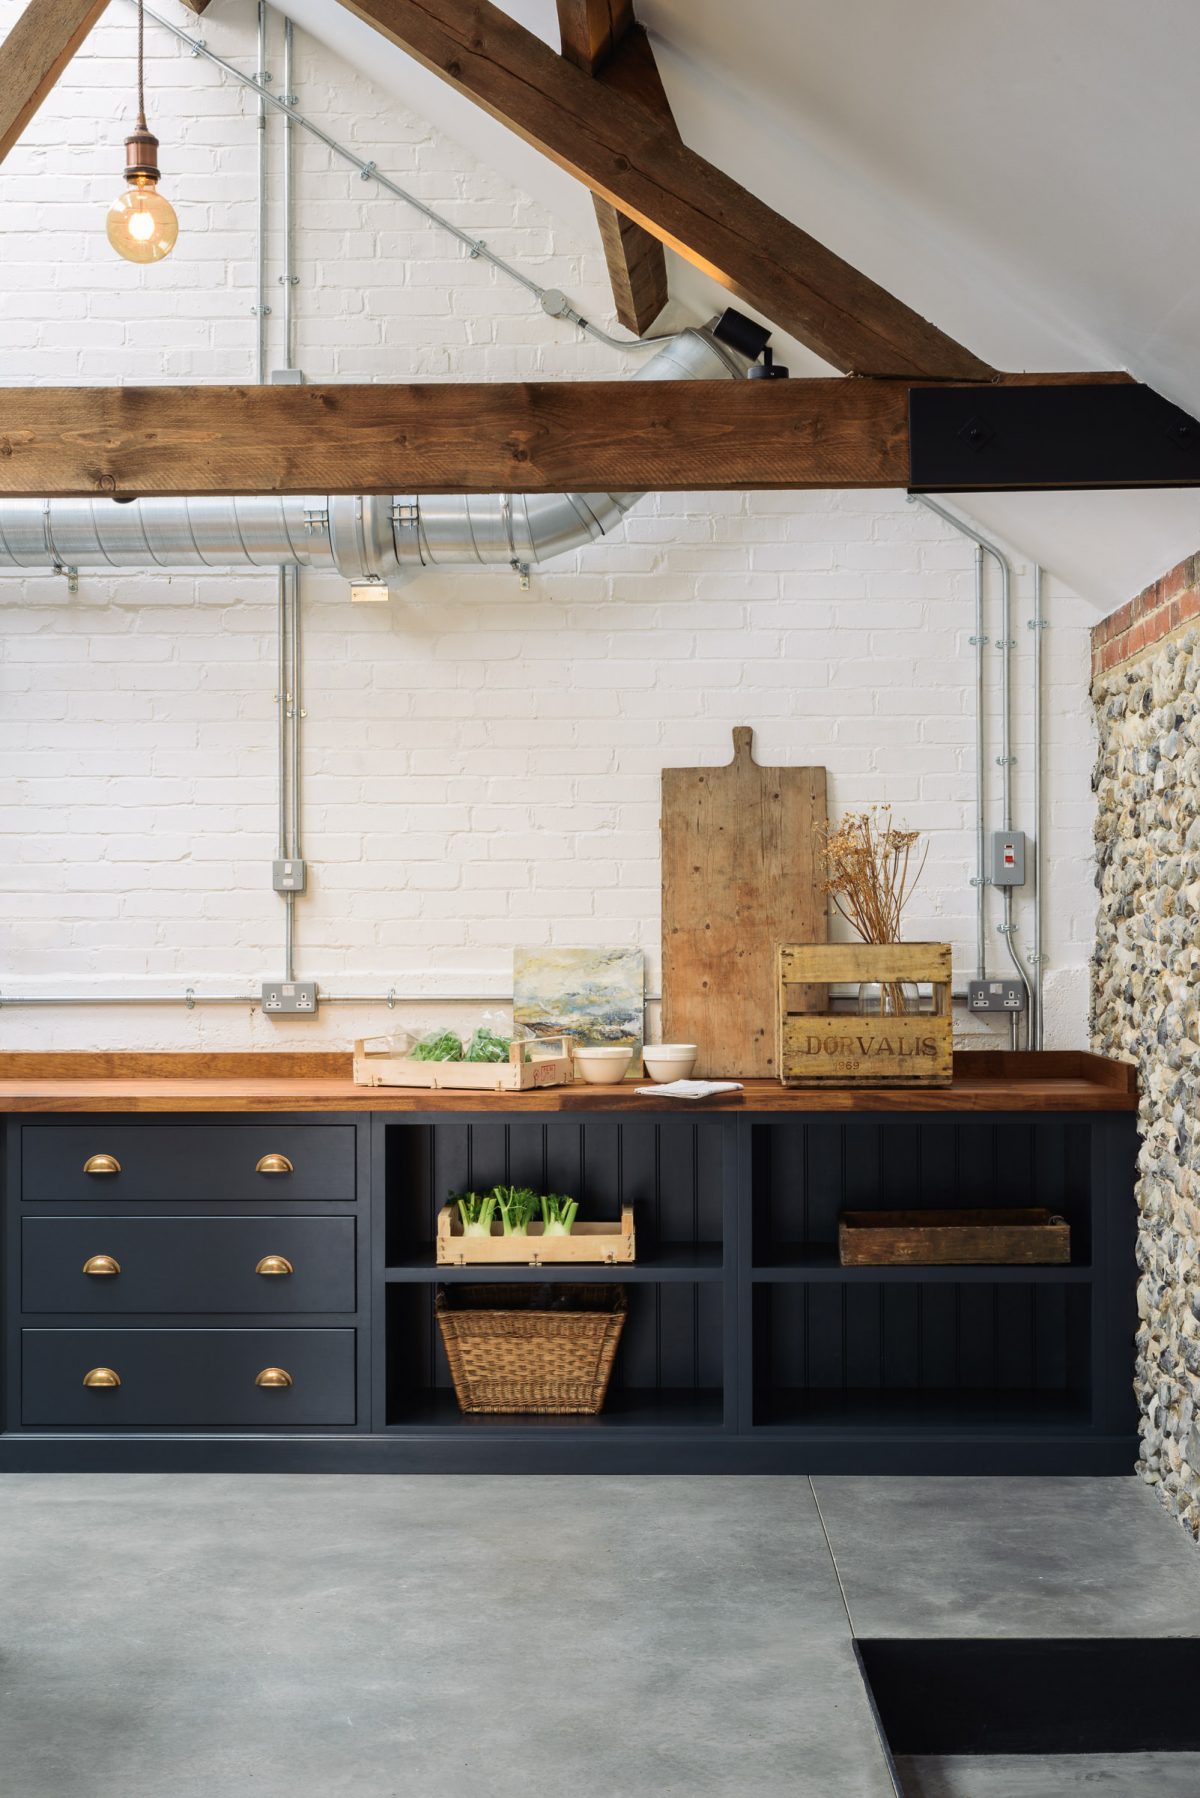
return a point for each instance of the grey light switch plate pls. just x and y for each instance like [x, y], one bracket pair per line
[289, 877]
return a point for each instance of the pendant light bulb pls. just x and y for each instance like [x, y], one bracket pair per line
[141, 223]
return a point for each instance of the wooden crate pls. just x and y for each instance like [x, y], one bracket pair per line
[611, 1243]
[818, 1047]
[1022, 1235]
[542, 1061]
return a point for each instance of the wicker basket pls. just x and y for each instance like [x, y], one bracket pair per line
[531, 1348]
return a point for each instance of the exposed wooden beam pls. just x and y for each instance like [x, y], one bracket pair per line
[446, 438]
[592, 29]
[599, 37]
[34, 55]
[633, 160]
[196, 6]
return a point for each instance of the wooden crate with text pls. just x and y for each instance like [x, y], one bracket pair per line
[901, 1034]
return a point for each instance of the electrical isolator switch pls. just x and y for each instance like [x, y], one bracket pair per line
[292, 998]
[1008, 858]
[289, 877]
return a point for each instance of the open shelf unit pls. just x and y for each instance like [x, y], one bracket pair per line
[747, 1344]
[930, 1352]
[669, 1379]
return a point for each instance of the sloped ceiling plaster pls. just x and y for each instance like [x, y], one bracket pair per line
[1025, 175]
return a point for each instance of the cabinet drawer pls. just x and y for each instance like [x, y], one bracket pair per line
[187, 1264]
[184, 1163]
[187, 1379]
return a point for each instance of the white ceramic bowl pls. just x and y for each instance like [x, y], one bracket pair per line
[669, 1061]
[603, 1066]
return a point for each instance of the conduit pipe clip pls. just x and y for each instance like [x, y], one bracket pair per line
[199, 45]
[978, 880]
[366, 171]
[477, 249]
[1006, 761]
[978, 641]
[1037, 624]
[189, 998]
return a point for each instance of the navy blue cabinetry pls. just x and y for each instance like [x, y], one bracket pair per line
[184, 1286]
[262, 1288]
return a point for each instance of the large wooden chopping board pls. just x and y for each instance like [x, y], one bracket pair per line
[742, 871]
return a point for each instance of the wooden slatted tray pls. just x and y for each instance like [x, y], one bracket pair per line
[1006, 1238]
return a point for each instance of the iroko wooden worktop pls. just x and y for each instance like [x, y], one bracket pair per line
[1051, 1081]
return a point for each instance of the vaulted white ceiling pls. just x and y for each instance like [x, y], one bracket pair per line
[1022, 173]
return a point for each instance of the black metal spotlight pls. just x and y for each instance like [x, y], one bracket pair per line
[741, 333]
[768, 369]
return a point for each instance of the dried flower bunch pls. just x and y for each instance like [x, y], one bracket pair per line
[870, 872]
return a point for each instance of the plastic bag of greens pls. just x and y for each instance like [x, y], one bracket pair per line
[437, 1045]
[485, 1045]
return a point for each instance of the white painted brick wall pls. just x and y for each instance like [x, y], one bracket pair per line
[481, 765]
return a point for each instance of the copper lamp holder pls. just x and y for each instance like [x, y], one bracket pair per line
[141, 156]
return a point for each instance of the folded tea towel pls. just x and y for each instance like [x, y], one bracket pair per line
[690, 1089]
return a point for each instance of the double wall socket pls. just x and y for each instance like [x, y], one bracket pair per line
[294, 997]
[995, 995]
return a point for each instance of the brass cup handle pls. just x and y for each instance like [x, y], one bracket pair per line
[274, 1264]
[101, 1376]
[273, 1376]
[101, 1264]
[273, 1164]
[102, 1164]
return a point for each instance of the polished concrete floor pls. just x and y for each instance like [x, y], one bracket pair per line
[171, 1636]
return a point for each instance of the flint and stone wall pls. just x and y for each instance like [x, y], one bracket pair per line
[1146, 988]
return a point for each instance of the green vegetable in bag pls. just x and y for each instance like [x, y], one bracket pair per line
[438, 1045]
[485, 1045]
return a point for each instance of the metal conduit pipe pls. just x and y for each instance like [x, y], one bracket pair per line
[370, 537]
[261, 308]
[1005, 758]
[189, 998]
[288, 279]
[980, 843]
[1037, 625]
